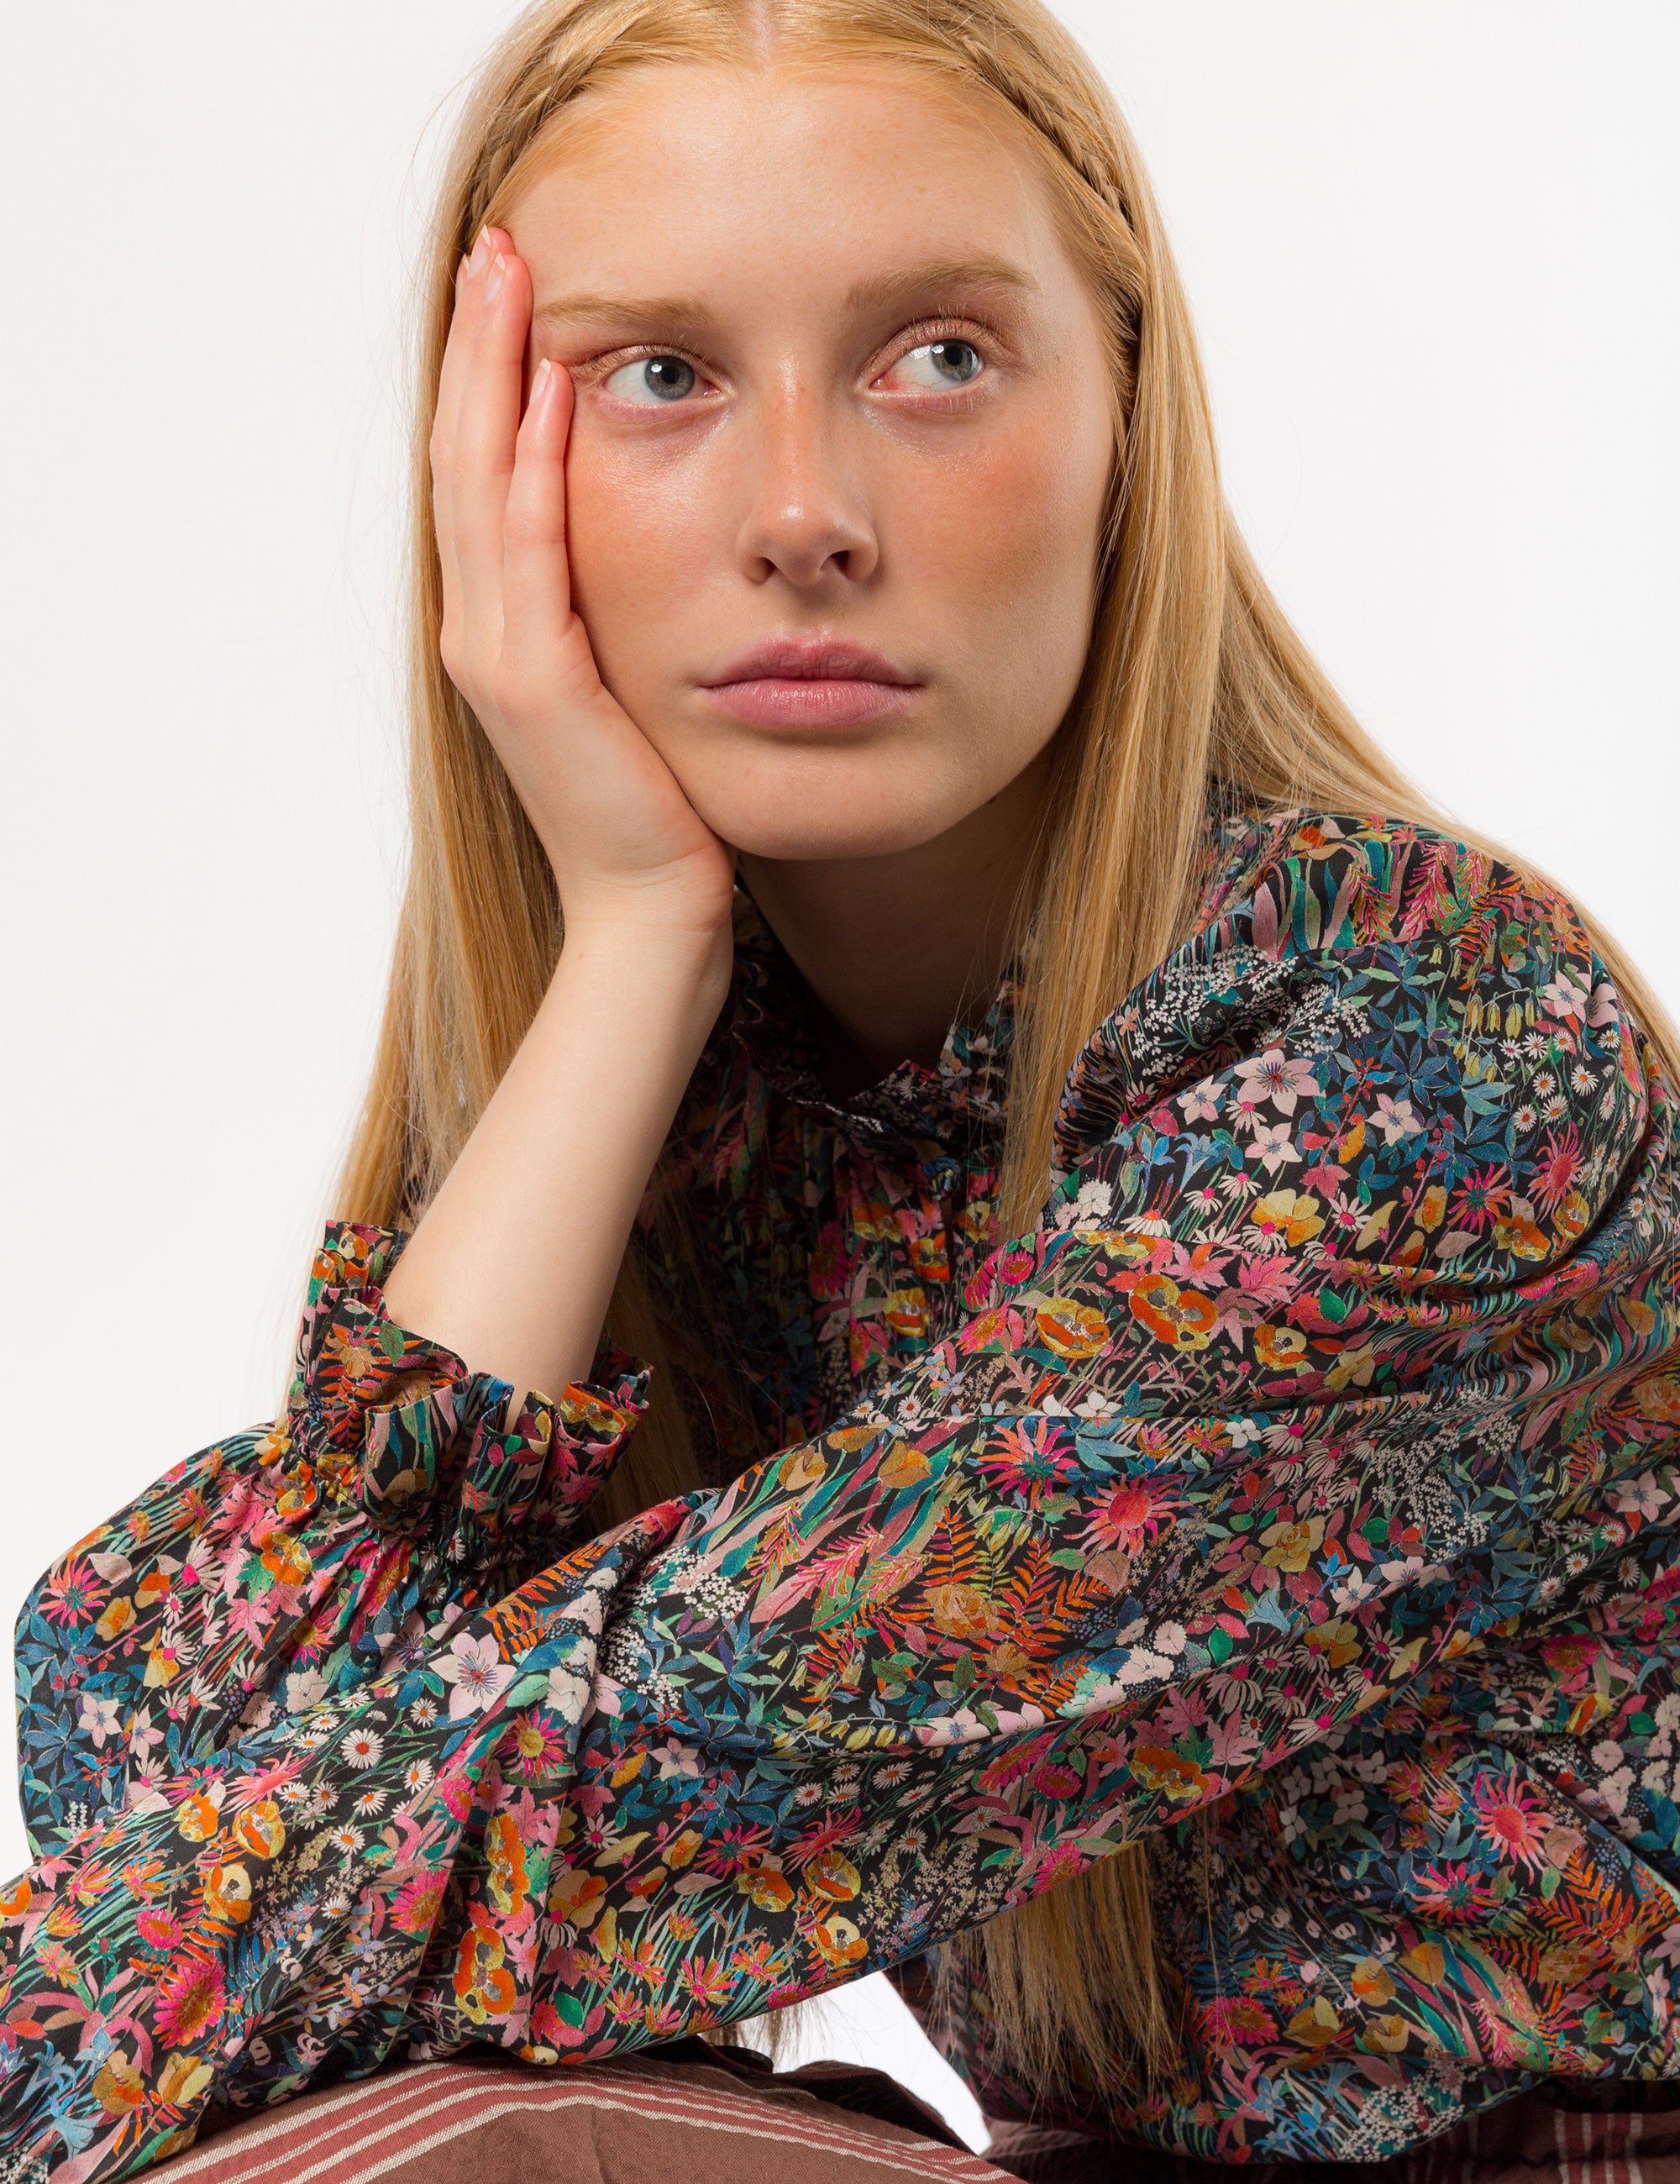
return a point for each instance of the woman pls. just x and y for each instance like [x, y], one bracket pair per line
[1126, 1478]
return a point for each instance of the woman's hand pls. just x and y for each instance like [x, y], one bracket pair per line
[628, 850]
[513, 1262]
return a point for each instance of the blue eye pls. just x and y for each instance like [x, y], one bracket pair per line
[941, 365]
[653, 379]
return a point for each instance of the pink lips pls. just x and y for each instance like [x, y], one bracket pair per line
[806, 683]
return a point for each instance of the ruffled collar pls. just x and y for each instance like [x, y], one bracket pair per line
[771, 1017]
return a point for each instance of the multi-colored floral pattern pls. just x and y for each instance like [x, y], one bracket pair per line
[1308, 1470]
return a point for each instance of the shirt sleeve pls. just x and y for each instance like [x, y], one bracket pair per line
[394, 1495]
[1358, 1251]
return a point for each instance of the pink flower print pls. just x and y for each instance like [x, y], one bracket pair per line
[1394, 1118]
[1564, 998]
[1273, 1079]
[100, 1718]
[1272, 1147]
[675, 1760]
[1643, 1496]
[477, 1671]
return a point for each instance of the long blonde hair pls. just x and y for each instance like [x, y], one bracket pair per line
[1193, 674]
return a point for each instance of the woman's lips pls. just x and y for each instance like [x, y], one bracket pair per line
[811, 701]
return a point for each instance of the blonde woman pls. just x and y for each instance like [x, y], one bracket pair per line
[997, 1315]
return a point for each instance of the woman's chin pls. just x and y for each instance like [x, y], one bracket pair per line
[829, 820]
[802, 837]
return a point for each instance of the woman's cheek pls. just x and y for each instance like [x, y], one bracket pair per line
[631, 553]
[1010, 541]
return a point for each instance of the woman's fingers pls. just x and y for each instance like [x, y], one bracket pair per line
[451, 379]
[545, 655]
[486, 428]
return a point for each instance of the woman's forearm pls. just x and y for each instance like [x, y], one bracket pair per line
[513, 1262]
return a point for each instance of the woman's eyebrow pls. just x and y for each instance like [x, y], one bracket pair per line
[874, 292]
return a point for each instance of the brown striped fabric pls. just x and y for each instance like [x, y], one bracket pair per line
[1527, 2141]
[643, 2120]
[699, 2115]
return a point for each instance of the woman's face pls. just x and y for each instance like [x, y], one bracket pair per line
[837, 384]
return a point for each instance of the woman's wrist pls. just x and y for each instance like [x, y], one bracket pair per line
[514, 1262]
[663, 980]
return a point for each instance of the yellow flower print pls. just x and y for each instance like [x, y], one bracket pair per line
[1339, 1641]
[838, 1943]
[1316, 2026]
[1291, 1546]
[1293, 1215]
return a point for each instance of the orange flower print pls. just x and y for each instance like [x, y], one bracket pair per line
[1516, 1231]
[198, 1817]
[764, 1883]
[1073, 1330]
[929, 1257]
[285, 1560]
[227, 1895]
[905, 1312]
[837, 1941]
[1184, 1318]
[484, 1987]
[1281, 1349]
[510, 1885]
[1168, 1773]
[960, 1611]
[119, 2088]
[833, 1875]
[260, 1829]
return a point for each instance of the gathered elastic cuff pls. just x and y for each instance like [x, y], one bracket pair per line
[396, 1422]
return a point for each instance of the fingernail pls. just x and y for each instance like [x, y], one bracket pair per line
[493, 286]
[539, 381]
[480, 251]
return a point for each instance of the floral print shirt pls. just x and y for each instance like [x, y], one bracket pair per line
[1298, 1497]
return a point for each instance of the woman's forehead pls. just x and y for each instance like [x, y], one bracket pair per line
[848, 177]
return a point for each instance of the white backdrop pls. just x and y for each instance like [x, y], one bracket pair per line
[1427, 249]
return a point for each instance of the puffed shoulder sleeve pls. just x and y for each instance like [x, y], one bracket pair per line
[395, 1493]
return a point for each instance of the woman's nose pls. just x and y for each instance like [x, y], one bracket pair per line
[805, 520]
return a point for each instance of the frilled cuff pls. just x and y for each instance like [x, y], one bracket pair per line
[396, 1422]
